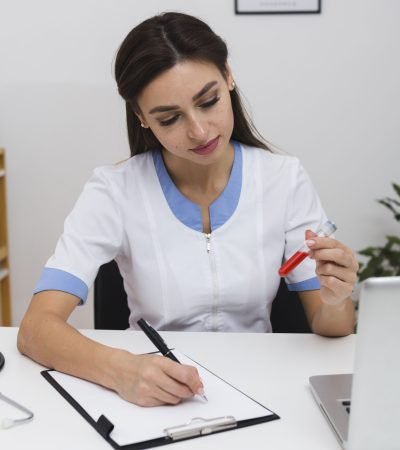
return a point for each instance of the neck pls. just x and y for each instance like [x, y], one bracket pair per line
[200, 180]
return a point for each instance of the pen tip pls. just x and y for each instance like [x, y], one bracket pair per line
[204, 397]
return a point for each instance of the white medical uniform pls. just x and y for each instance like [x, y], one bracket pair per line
[176, 276]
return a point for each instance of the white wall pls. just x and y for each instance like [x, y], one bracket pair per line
[323, 87]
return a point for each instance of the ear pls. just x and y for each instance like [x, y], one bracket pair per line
[229, 77]
[141, 120]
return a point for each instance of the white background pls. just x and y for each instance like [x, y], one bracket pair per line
[323, 87]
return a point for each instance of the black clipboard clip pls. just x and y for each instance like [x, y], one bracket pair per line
[199, 426]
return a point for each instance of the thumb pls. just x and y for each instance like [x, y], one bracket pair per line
[310, 234]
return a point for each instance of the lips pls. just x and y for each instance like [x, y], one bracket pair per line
[206, 148]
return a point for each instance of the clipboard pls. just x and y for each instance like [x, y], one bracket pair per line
[130, 427]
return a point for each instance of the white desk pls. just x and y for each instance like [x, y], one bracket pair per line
[272, 368]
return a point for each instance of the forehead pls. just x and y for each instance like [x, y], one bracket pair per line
[180, 83]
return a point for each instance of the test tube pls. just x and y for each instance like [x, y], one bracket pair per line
[324, 231]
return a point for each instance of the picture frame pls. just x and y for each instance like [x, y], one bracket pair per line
[277, 6]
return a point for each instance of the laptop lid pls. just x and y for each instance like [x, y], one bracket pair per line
[375, 396]
[374, 422]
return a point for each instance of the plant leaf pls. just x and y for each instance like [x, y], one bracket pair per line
[396, 187]
[385, 260]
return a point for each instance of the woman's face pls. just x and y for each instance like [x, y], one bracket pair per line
[189, 110]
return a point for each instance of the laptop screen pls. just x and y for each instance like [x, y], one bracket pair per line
[374, 388]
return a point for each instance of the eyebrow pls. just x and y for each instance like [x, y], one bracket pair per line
[203, 90]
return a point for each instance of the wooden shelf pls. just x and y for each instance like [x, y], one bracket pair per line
[3, 253]
[5, 301]
[3, 273]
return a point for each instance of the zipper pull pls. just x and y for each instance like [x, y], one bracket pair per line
[208, 236]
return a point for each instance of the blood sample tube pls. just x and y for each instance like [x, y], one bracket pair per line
[324, 231]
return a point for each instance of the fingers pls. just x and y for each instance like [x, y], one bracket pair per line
[310, 234]
[185, 375]
[336, 267]
[155, 380]
[155, 386]
[328, 249]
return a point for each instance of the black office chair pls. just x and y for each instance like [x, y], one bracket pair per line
[111, 311]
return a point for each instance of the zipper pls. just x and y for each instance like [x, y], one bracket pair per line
[213, 268]
[208, 243]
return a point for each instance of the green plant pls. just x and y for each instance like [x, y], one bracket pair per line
[384, 261]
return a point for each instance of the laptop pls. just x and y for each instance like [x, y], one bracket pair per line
[363, 408]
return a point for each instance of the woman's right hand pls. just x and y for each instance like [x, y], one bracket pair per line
[152, 380]
[146, 380]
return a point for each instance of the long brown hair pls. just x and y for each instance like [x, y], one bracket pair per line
[156, 45]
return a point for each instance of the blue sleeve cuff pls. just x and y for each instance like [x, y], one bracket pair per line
[59, 280]
[311, 284]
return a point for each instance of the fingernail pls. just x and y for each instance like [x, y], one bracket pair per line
[310, 242]
[200, 391]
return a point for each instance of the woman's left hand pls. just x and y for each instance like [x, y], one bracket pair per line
[336, 267]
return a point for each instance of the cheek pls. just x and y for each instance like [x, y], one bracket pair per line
[224, 116]
[169, 139]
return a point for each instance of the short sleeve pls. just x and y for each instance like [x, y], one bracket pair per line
[304, 212]
[92, 236]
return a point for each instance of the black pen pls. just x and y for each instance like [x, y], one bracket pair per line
[159, 342]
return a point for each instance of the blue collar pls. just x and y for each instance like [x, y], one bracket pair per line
[188, 212]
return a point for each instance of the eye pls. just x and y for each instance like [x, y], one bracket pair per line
[211, 102]
[166, 122]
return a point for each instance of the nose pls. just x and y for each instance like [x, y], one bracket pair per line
[196, 128]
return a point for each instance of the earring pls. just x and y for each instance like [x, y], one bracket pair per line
[142, 125]
[233, 85]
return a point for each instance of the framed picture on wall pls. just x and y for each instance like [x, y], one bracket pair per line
[277, 6]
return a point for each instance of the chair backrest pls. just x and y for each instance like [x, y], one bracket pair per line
[287, 314]
[111, 311]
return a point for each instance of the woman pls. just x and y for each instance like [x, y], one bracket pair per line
[199, 220]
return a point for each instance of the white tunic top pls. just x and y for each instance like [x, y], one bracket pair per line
[175, 276]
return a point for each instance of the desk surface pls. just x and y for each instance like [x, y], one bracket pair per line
[272, 368]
